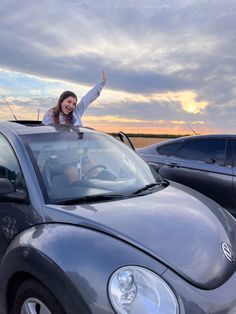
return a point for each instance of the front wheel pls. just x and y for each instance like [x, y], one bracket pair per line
[33, 298]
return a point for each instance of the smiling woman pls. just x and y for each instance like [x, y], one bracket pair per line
[66, 111]
[62, 113]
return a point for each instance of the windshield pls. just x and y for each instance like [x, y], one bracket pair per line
[75, 165]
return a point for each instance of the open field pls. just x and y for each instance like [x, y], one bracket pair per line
[145, 141]
[141, 140]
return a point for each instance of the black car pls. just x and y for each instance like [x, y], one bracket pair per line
[87, 226]
[206, 163]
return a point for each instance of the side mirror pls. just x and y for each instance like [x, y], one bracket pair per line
[210, 161]
[8, 193]
[5, 186]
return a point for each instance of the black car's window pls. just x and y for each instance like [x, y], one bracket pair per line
[233, 151]
[9, 166]
[169, 149]
[207, 150]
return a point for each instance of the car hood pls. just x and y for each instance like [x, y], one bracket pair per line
[178, 226]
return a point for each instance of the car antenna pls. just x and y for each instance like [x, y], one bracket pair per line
[191, 129]
[9, 107]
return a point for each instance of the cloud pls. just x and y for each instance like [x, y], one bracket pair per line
[171, 59]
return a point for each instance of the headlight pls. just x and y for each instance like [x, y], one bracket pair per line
[136, 290]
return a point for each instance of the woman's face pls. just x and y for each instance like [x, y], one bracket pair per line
[68, 104]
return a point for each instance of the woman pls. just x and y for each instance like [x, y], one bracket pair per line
[67, 112]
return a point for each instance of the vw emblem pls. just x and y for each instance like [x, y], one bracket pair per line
[228, 252]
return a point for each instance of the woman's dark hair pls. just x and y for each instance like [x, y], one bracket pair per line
[57, 109]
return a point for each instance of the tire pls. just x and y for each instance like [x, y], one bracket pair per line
[33, 298]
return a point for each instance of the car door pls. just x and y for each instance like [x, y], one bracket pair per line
[125, 139]
[203, 165]
[15, 216]
[159, 156]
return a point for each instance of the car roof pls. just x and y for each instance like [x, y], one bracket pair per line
[182, 139]
[194, 137]
[24, 127]
[203, 136]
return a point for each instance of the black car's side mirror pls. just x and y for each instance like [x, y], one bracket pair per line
[210, 161]
[8, 193]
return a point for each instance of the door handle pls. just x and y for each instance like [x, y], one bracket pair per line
[172, 164]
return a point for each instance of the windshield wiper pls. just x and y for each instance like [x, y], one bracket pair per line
[90, 198]
[151, 186]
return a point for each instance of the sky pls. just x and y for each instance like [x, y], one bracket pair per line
[170, 64]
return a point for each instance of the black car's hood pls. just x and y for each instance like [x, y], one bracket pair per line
[176, 225]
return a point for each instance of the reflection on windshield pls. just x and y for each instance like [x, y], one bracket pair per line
[91, 164]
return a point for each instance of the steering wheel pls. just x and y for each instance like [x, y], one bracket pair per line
[94, 171]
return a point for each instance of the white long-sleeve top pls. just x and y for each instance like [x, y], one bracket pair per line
[79, 110]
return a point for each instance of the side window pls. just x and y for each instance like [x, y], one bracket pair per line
[169, 149]
[9, 166]
[209, 150]
[233, 150]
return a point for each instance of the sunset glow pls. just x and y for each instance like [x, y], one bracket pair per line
[169, 64]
